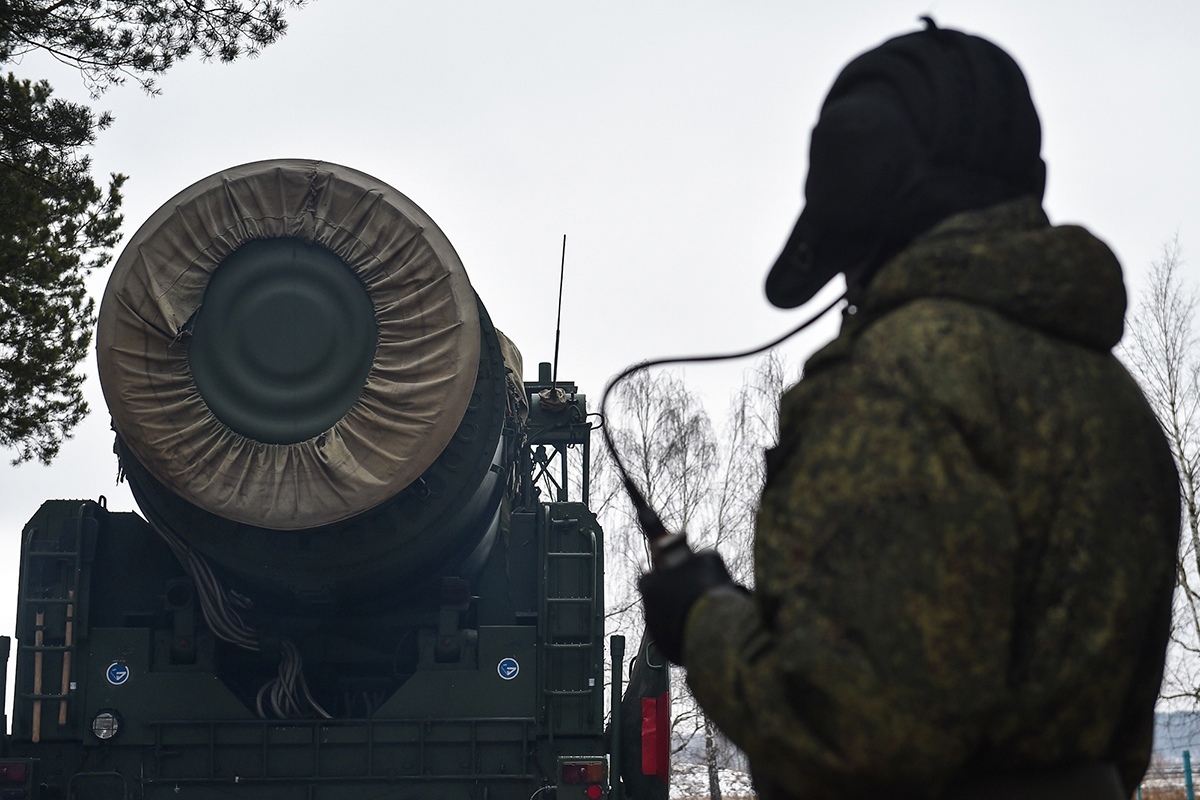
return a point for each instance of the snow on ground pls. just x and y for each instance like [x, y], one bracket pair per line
[690, 782]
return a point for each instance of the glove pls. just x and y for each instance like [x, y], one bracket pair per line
[669, 594]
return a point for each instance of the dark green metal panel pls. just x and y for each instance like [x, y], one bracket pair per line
[121, 677]
[486, 691]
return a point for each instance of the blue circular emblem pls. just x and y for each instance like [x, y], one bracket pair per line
[508, 668]
[117, 673]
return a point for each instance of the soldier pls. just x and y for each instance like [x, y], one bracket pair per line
[965, 547]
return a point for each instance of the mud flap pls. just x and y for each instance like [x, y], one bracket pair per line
[646, 718]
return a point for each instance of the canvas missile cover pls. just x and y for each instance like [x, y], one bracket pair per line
[238, 365]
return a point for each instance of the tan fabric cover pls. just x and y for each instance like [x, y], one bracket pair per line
[416, 393]
[515, 362]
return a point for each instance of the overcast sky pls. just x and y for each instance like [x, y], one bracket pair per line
[667, 141]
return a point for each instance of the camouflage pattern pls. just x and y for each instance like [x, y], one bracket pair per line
[966, 545]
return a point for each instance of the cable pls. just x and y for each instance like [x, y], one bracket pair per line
[215, 600]
[284, 693]
[651, 524]
[288, 694]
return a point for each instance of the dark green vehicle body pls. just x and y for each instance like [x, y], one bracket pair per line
[446, 643]
[426, 712]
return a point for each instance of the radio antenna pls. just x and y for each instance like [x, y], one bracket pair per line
[562, 269]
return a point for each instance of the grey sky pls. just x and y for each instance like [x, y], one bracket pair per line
[667, 140]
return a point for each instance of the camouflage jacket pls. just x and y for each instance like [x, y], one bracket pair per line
[965, 548]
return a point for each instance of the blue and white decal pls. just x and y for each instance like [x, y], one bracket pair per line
[508, 668]
[117, 673]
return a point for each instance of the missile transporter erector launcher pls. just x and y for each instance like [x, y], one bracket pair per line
[347, 582]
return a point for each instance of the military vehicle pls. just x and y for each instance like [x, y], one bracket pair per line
[365, 565]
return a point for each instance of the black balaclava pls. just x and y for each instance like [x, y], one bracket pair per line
[922, 127]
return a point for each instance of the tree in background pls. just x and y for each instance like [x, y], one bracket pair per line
[56, 223]
[699, 480]
[109, 41]
[1161, 351]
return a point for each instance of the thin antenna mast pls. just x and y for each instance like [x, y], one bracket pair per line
[562, 269]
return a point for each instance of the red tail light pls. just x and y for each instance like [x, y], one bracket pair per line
[656, 736]
[14, 771]
[583, 772]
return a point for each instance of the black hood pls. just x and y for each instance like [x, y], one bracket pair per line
[923, 127]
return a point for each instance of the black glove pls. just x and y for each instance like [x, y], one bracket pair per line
[668, 596]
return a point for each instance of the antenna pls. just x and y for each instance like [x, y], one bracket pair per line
[562, 269]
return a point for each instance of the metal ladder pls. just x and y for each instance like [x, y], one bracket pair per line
[563, 642]
[52, 566]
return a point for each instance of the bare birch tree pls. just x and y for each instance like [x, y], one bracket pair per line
[699, 481]
[1161, 350]
[666, 442]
